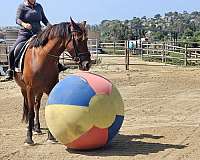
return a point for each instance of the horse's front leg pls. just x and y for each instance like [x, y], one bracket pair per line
[37, 118]
[31, 115]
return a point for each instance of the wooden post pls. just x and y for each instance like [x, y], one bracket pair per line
[148, 49]
[185, 58]
[125, 51]
[114, 49]
[196, 56]
[7, 54]
[163, 53]
[127, 54]
[97, 45]
[141, 51]
[165, 47]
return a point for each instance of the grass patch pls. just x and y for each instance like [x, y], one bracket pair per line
[173, 58]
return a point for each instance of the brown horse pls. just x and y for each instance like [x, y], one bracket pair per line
[40, 73]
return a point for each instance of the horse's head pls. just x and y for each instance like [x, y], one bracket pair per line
[77, 45]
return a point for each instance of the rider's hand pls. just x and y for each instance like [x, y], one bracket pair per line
[27, 26]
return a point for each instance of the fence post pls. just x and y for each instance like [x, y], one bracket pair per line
[147, 49]
[96, 45]
[196, 56]
[141, 51]
[163, 53]
[114, 50]
[126, 55]
[185, 58]
[7, 55]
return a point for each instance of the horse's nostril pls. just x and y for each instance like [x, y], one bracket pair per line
[85, 65]
[88, 65]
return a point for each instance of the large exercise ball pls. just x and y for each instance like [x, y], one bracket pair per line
[84, 111]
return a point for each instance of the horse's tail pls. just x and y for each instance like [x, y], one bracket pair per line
[25, 111]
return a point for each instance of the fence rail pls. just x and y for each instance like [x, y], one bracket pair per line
[163, 51]
[168, 52]
[3, 55]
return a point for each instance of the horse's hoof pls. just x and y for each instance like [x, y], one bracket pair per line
[29, 143]
[53, 141]
[37, 132]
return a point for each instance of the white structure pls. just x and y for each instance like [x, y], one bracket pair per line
[2, 73]
[132, 44]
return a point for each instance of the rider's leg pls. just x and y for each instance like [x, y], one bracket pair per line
[11, 61]
[11, 58]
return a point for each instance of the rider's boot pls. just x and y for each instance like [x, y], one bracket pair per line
[61, 67]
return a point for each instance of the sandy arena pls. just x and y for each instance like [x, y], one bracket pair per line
[162, 117]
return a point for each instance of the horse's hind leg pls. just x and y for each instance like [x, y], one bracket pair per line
[37, 118]
[25, 106]
[51, 138]
[31, 115]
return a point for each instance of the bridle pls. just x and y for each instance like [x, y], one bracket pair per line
[77, 54]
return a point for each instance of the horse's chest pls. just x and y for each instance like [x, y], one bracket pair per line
[49, 82]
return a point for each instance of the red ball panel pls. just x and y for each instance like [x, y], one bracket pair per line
[94, 138]
[99, 84]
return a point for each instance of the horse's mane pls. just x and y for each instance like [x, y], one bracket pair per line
[61, 30]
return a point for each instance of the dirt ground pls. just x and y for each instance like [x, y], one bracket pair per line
[162, 117]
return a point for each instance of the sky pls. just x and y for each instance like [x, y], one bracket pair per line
[94, 11]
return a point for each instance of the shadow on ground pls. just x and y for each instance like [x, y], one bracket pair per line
[130, 145]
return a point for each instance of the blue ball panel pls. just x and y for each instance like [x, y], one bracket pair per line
[113, 130]
[73, 90]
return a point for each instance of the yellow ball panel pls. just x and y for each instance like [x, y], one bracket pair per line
[104, 108]
[117, 102]
[67, 123]
[101, 111]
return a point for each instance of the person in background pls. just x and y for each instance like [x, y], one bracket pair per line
[29, 15]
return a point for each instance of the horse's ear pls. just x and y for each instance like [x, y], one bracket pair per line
[83, 23]
[73, 23]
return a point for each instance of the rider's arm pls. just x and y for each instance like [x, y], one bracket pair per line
[44, 18]
[19, 17]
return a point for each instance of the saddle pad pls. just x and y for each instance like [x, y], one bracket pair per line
[19, 66]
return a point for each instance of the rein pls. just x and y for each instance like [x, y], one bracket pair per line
[51, 55]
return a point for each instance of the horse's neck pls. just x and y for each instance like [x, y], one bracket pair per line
[54, 47]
